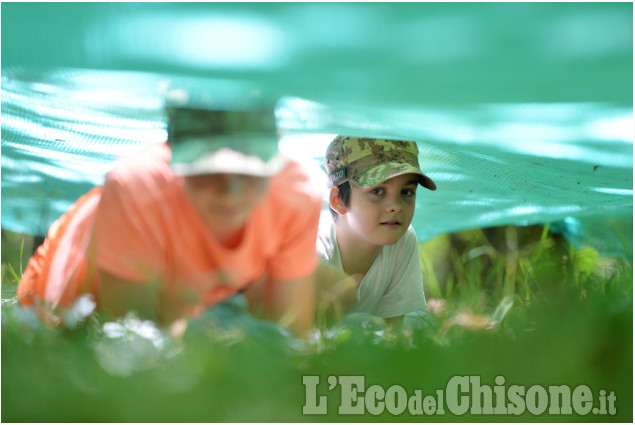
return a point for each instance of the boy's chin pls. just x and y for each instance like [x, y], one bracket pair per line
[391, 239]
[388, 243]
[228, 222]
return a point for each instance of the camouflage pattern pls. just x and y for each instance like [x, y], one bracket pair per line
[187, 122]
[195, 135]
[369, 162]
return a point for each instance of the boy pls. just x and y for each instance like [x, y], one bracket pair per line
[372, 201]
[185, 224]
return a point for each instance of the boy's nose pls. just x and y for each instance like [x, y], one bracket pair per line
[228, 185]
[393, 205]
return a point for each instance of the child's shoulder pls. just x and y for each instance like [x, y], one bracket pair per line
[404, 246]
[144, 172]
[145, 156]
[299, 185]
[410, 237]
[155, 156]
[326, 242]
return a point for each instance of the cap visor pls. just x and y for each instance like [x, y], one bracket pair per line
[379, 174]
[228, 161]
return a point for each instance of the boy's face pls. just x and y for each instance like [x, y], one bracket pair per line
[225, 201]
[381, 214]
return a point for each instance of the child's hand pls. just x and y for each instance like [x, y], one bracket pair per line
[336, 290]
[177, 328]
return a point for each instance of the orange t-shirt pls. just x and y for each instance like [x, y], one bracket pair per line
[142, 225]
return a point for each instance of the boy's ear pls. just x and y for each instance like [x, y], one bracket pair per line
[336, 202]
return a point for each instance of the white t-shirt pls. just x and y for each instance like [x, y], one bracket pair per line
[393, 285]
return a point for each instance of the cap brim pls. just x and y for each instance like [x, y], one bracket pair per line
[379, 174]
[427, 182]
[229, 161]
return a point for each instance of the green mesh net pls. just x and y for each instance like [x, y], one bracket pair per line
[522, 112]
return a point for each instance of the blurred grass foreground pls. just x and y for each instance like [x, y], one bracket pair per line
[514, 302]
[523, 115]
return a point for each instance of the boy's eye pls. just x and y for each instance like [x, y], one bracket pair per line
[409, 192]
[377, 191]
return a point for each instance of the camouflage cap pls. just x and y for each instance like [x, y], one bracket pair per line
[369, 162]
[223, 141]
[222, 126]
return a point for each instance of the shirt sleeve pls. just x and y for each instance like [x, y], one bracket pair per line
[297, 201]
[296, 257]
[127, 247]
[324, 244]
[405, 294]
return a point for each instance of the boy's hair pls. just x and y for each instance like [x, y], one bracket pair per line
[345, 195]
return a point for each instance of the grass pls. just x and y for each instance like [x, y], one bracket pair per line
[516, 302]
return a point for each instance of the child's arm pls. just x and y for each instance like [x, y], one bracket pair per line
[335, 293]
[395, 322]
[405, 293]
[292, 303]
[118, 296]
[336, 289]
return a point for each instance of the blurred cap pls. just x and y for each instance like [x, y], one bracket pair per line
[369, 162]
[222, 127]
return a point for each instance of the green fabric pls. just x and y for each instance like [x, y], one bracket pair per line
[522, 111]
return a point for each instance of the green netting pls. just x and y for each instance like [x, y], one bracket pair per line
[523, 112]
